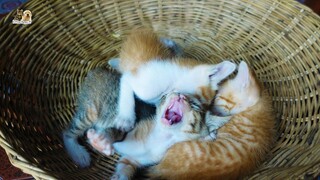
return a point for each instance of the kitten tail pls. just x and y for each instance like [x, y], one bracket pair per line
[77, 152]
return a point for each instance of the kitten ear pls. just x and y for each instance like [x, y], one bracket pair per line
[221, 71]
[114, 63]
[243, 76]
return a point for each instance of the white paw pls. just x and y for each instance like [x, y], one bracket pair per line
[206, 75]
[119, 177]
[100, 142]
[124, 123]
[211, 137]
[212, 70]
[220, 71]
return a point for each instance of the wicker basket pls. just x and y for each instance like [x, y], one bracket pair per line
[43, 64]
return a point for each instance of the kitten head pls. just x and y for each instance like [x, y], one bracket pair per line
[182, 113]
[19, 12]
[238, 94]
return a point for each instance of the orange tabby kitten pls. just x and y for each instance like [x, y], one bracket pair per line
[241, 145]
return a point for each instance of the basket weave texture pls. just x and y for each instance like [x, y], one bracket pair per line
[43, 64]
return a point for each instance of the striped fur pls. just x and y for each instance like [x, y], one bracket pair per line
[150, 69]
[241, 145]
[97, 107]
[149, 140]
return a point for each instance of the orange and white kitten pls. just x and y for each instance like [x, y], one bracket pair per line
[242, 143]
[149, 71]
[178, 118]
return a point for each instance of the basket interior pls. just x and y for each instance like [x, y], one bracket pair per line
[43, 64]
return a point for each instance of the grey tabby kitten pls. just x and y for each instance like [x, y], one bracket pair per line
[178, 118]
[97, 104]
[97, 107]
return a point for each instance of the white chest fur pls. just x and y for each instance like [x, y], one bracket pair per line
[159, 77]
[156, 78]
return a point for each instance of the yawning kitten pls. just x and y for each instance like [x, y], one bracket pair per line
[241, 145]
[178, 118]
[149, 71]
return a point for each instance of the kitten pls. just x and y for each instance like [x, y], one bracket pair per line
[242, 143]
[97, 104]
[18, 15]
[178, 118]
[149, 71]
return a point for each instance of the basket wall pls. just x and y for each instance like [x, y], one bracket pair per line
[43, 64]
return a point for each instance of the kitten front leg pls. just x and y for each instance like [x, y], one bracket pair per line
[220, 71]
[125, 169]
[100, 142]
[211, 136]
[212, 75]
[102, 139]
[214, 123]
[204, 79]
[126, 115]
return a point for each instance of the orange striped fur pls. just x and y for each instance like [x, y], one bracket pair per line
[241, 145]
[141, 46]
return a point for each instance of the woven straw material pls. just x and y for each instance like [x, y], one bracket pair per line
[43, 64]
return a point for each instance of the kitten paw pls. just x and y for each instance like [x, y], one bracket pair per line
[211, 137]
[220, 71]
[100, 142]
[124, 124]
[119, 177]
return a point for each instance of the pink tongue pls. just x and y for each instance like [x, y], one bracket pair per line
[173, 114]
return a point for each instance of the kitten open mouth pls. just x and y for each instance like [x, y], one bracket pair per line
[174, 112]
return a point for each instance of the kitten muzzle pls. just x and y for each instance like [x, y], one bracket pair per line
[174, 112]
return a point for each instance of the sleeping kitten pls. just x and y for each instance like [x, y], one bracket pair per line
[178, 118]
[149, 71]
[241, 145]
[97, 104]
